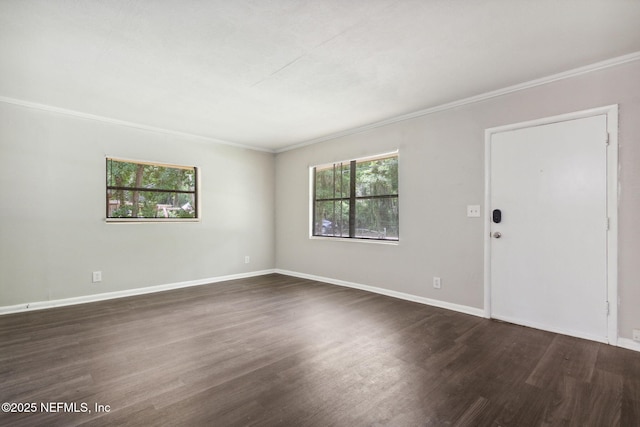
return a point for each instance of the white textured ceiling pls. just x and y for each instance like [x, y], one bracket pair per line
[274, 73]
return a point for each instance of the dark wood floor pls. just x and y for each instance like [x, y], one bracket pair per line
[277, 350]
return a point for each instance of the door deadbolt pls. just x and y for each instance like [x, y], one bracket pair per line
[497, 234]
[497, 216]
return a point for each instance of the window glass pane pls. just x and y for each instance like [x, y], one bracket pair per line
[168, 178]
[373, 204]
[332, 218]
[377, 177]
[141, 175]
[149, 190]
[332, 182]
[377, 218]
[150, 204]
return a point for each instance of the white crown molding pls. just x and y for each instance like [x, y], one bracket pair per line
[78, 114]
[40, 305]
[431, 110]
[400, 295]
[473, 99]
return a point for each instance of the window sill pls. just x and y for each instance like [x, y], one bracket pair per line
[149, 220]
[355, 240]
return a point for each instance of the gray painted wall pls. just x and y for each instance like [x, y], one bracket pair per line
[442, 171]
[53, 236]
[52, 228]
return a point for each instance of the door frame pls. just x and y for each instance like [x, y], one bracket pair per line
[611, 111]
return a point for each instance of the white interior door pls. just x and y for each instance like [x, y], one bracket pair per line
[549, 263]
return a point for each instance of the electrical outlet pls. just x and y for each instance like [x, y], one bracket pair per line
[97, 277]
[436, 282]
[636, 334]
[473, 211]
[247, 259]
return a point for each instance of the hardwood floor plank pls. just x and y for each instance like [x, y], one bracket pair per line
[279, 350]
[565, 356]
[471, 416]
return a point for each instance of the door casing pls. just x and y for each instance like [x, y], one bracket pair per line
[611, 111]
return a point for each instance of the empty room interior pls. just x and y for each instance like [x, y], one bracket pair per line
[346, 213]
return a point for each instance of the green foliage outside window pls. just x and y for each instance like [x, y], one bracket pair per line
[148, 190]
[357, 199]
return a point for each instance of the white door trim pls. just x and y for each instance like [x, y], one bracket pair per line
[611, 111]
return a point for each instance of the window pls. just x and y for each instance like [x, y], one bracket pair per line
[141, 191]
[357, 199]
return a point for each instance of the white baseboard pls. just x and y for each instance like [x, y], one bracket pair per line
[620, 342]
[628, 344]
[39, 305]
[401, 295]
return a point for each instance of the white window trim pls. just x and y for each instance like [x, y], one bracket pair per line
[155, 220]
[310, 221]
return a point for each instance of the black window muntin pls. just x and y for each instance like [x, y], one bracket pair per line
[340, 208]
[135, 199]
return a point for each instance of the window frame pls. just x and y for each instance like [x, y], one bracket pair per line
[352, 199]
[195, 192]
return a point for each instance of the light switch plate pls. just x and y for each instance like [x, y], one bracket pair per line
[473, 211]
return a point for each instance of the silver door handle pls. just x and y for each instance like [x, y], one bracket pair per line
[497, 234]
